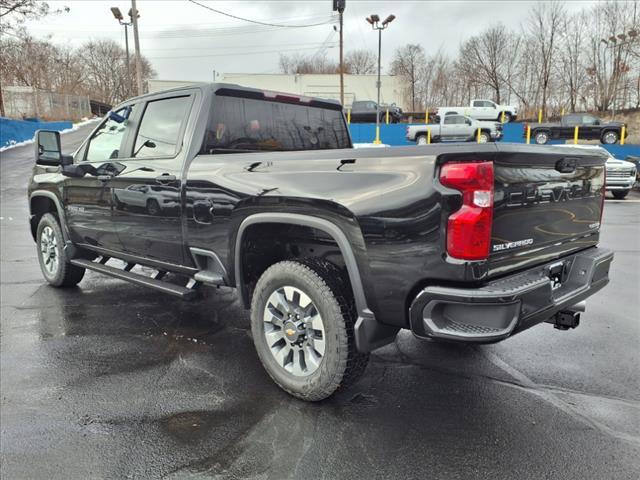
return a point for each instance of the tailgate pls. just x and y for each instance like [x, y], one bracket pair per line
[547, 203]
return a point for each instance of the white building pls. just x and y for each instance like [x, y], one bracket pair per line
[356, 87]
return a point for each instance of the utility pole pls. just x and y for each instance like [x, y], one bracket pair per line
[339, 5]
[136, 40]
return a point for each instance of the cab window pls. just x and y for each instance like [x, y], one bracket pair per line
[106, 141]
[160, 127]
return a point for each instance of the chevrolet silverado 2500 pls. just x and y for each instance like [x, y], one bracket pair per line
[456, 128]
[482, 110]
[333, 249]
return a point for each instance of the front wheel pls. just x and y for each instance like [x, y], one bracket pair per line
[302, 319]
[541, 138]
[619, 194]
[484, 137]
[507, 117]
[52, 257]
[610, 137]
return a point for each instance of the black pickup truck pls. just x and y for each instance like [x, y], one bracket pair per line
[589, 128]
[334, 249]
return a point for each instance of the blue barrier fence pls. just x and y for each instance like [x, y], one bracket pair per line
[16, 131]
[394, 135]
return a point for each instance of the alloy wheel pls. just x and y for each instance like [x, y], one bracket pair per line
[294, 331]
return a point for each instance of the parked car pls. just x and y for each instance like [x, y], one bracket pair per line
[333, 249]
[621, 175]
[636, 161]
[482, 110]
[457, 128]
[589, 128]
[365, 112]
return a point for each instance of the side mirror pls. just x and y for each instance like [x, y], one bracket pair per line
[48, 150]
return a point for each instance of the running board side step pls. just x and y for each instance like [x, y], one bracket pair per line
[155, 283]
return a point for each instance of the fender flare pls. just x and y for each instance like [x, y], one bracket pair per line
[56, 202]
[369, 333]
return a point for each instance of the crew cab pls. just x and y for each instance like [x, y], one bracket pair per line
[589, 128]
[333, 249]
[456, 128]
[365, 112]
[479, 109]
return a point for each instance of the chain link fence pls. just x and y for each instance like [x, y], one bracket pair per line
[28, 102]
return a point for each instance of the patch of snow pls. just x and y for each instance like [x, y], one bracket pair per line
[369, 145]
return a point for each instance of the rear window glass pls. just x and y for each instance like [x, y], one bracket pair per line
[247, 125]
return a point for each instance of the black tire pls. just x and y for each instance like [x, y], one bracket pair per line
[485, 136]
[610, 137]
[421, 139]
[619, 194]
[61, 273]
[153, 207]
[541, 137]
[328, 289]
[507, 117]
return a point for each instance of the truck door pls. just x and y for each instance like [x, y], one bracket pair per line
[147, 192]
[88, 200]
[454, 128]
[590, 128]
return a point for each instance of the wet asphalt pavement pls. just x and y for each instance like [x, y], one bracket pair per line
[111, 380]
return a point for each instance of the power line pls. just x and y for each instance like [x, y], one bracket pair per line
[255, 21]
[239, 54]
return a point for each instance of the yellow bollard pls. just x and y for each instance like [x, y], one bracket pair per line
[623, 134]
[540, 116]
[349, 116]
[502, 117]
[426, 116]
[478, 134]
[575, 135]
[562, 113]
[377, 140]
[528, 134]
[428, 136]
[387, 117]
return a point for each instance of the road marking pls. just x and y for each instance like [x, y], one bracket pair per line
[621, 201]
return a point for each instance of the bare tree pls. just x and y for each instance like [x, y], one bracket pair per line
[299, 63]
[484, 58]
[361, 62]
[544, 26]
[13, 13]
[410, 62]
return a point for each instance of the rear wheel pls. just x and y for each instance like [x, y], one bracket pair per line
[302, 318]
[54, 264]
[610, 137]
[541, 138]
[421, 140]
[619, 194]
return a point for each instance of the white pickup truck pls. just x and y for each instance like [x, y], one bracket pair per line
[482, 110]
[454, 128]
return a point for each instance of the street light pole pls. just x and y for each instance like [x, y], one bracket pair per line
[374, 22]
[118, 16]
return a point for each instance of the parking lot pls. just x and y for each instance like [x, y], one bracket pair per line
[110, 380]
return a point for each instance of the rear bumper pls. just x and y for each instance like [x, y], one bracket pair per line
[511, 304]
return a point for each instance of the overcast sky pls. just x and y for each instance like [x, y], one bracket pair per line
[185, 41]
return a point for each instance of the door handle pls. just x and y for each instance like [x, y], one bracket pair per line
[105, 178]
[165, 178]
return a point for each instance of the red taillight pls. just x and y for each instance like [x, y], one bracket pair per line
[469, 228]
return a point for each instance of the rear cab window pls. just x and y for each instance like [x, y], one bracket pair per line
[161, 126]
[239, 124]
